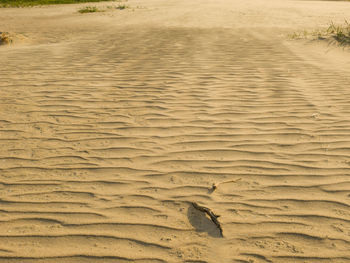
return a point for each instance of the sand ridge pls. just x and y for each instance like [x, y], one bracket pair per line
[111, 125]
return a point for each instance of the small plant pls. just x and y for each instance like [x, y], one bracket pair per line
[338, 33]
[5, 38]
[121, 7]
[88, 9]
[30, 3]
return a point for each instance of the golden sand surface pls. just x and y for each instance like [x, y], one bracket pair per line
[112, 123]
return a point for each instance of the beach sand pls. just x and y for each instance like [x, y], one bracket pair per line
[112, 123]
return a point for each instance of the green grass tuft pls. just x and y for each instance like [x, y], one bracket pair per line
[121, 7]
[89, 9]
[340, 34]
[28, 3]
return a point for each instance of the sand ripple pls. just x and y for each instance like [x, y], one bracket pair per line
[105, 143]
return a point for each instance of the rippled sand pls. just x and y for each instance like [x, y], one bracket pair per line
[112, 123]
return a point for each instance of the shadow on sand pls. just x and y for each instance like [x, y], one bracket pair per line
[201, 222]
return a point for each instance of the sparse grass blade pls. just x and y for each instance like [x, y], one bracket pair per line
[88, 9]
[122, 7]
[339, 33]
[28, 3]
[5, 38]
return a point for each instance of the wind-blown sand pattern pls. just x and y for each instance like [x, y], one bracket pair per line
[111, 124]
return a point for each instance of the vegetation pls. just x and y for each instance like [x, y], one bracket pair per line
[121, 7]
[93, 9]
[26, 3]
[5, 38]
[339, 34]
[88, 9]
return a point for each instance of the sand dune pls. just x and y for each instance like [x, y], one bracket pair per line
[111, 124]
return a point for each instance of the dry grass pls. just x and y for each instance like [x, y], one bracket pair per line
[339, 34]
[5, 38]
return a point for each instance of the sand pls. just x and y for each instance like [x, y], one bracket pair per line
[111, 123]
